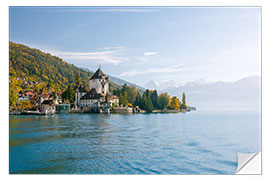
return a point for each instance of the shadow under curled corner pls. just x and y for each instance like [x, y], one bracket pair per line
[249, 163]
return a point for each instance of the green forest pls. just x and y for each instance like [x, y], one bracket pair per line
[51, 71]
[148, 100]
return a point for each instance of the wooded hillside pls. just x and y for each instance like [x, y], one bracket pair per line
[34, 65]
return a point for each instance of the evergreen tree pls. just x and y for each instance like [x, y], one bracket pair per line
[143, 103]
[69, 94]
[138, 100]
[124, 88]
[121, 99]
[117, 92]
[183, 105]
[154, 99]
[184, 98]
[147, 92]
[125, 98]
[149, 105]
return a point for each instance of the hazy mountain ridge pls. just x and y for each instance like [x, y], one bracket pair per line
[122, 82]
[162, 84]
[242, 94]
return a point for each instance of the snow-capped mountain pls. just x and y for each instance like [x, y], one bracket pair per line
[244, 94]
[169, 84]
[162, 84]
[202, 94]
[198, 82]
[152, 85]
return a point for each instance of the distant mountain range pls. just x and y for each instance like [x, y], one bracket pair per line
[122, 82]
[162, 85]
[244, 94]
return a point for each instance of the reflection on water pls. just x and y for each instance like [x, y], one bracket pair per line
[191, 143]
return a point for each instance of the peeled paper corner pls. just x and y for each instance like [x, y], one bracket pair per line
[249, 163]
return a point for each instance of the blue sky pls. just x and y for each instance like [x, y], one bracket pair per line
[140, 44]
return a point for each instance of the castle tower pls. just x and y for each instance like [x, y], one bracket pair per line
[100, 82]
[78, 94]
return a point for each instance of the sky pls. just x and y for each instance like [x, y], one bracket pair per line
[139, 44]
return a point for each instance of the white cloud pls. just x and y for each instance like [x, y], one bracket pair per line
[150, 53]
[175, 68]
[110, 48]
[113, 57]
[129, 10]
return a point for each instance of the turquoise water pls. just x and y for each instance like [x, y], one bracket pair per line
[183, 143]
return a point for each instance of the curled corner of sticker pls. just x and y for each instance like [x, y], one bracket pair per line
[249, 163]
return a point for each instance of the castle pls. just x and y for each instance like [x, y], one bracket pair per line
[98, 99]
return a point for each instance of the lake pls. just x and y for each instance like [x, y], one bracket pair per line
[198, 142]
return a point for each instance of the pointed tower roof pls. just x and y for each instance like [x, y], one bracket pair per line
[98, 74]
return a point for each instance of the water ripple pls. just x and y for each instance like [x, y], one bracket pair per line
[129, 144]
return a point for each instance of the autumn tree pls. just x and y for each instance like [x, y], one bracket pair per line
[175, 103]
[14, 88]
[132, 93]
[125, 98]
[34, 65]
[24, 105]
[164, 100]
[78, 80]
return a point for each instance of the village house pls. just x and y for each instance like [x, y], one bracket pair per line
[48, 107]
[27, 93]
[98, 99]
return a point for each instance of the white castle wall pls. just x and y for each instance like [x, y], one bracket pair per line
[97, 85]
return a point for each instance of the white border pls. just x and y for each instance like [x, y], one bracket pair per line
[136, 2]
[265, 75]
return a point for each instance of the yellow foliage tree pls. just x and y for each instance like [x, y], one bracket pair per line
[175, 103]
[24, 105]
[14, 88]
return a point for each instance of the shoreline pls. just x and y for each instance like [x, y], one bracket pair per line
[77, 112]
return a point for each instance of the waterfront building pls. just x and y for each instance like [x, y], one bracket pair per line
[98, 99]
[48, 107]
[62, 108]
